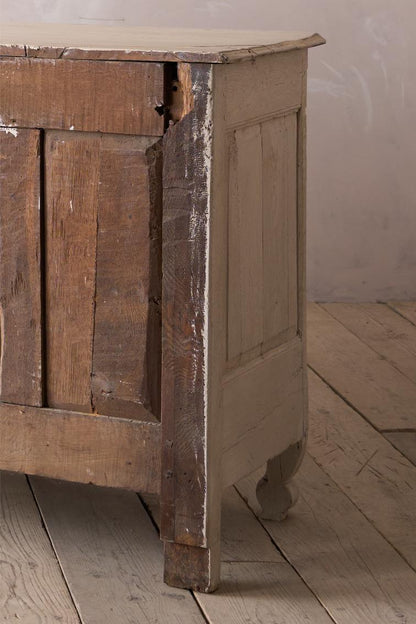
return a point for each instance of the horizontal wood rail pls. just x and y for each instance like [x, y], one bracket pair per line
[113, 97]
[74, 446]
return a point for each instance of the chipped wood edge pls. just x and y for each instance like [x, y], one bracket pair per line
[94, 54]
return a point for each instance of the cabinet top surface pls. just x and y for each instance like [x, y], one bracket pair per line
[96, 42]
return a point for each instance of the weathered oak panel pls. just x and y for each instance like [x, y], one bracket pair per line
[263, 408]
[263, 237]
[127, 327]
[71, 193]
[245, 266]
[186, 187]
[103, 272]
[280, 275]
[117, 97]
[80, 447]
[20, 261]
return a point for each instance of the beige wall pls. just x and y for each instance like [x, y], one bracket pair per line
[362, 131]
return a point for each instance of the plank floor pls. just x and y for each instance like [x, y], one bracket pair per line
[346, 554]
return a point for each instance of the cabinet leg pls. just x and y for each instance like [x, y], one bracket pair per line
[192, 567]
[275, 493]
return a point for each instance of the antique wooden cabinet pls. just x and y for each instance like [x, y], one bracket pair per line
[152, 266]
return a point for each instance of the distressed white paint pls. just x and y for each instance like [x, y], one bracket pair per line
[362, 152]
[9, 130]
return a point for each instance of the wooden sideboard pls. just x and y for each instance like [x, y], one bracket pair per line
[152, 267]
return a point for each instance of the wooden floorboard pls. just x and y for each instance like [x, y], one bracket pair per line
[405, 308]
[351, 568]
[405, 442]
[111, 555]
[383, 330]
[380, 392]
[365, 466]
[32, 588]
[257, 584]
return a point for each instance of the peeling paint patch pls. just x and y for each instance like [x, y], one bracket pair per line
[9, 130]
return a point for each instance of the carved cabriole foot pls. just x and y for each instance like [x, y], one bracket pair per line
[275, 494]
[191, 567]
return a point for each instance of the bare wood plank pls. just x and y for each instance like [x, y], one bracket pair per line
[111, 555]
[245, 262]
[31, 583]
[261, 592]
[405, 308]
[279, 140]
[124, 95]
[186, 213]
[376, 477]
[80, 447]
[72, 177]
[389, 334]
[379, 391]
[354, 572]
[263, 410]
[127, 333]
[155, 44]
[405, 442]
[20, 280]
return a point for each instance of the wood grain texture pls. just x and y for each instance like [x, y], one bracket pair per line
[280, 223]
[111, 555]
[376, 477]
[378, 390]
[262, 592]
[262, 264]
[103, 272]
[245, 264]
[127, 326]
[386, 332]
[407, 309]
[351, 568]
[20, 261]
[71, 192]
[99, 42]
[32, 588]
[97, 97]
[405, 442]
[263, 410]
[190, 567]
[186, 189]
[79, 447]
[257, 91]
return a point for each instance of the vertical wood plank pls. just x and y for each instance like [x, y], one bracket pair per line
[127, 333]
[72, 168]
[245, 242]
[279, 139]
[20, 261]
[186, 187]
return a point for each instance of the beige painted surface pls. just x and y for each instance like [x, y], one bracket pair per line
[362, 130]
